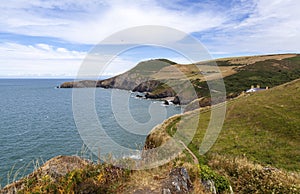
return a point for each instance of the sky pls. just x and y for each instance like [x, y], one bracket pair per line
[51, 38]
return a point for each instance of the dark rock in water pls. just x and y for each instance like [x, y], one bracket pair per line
[139, 96]
[176, 100]
[178, 182]
[166, 102]
[146, 95]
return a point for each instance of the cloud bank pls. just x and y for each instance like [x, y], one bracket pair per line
[52, 37]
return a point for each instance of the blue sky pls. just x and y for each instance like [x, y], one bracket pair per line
[51, 38]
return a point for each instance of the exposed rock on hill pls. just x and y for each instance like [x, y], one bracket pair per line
[147, 86]
[178, 182]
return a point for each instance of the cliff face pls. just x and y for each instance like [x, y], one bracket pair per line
[142, 78]
[126, 81]
[147, 86]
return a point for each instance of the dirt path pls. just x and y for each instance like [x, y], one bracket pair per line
[196, 161]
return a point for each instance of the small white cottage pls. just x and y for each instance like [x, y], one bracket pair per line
[258, 88]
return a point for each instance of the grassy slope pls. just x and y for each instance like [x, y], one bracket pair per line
[271, 73]
[264, 127]
[239, 73]
[261, 129]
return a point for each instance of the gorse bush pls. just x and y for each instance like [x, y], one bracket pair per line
[221, 183]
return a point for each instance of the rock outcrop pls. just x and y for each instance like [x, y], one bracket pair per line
[209, 186]
[178, 182]
[166, 92]
[147, 86]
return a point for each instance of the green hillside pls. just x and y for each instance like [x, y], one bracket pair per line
[266, 73]
[264, 127]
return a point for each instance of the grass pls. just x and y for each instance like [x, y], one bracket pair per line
[263, 74]
[269, 73]
[262, 128]
[248, 177]
[265, 127]
[150, 67]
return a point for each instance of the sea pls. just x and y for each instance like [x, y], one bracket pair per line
[37, 123]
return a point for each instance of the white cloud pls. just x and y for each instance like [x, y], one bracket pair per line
[83, 22]
[40, 59]
[272, 27]
[44, 47]
[258, 26]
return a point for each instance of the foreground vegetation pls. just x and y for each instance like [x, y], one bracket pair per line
[225, 172]
[90, 179]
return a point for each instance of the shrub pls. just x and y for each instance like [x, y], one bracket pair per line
[221, 183]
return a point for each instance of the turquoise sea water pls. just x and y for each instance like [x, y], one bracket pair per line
[36, 122]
